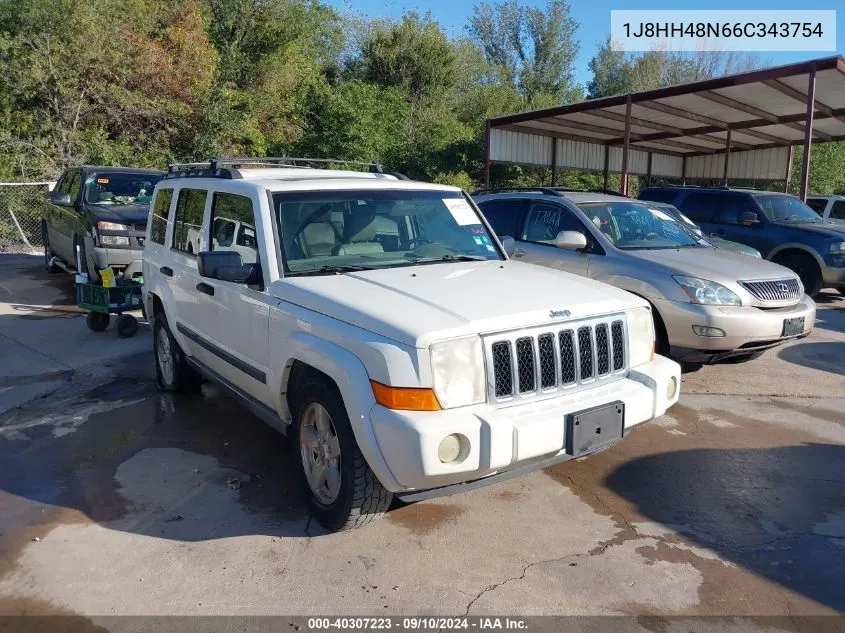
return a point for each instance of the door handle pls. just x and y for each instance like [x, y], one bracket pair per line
[167, 271]
[518, 252]
[204, 287]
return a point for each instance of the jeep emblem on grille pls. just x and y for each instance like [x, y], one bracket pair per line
[559, 314]
[783, 288]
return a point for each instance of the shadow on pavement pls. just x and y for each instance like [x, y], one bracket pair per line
[823, 356]
[777, 512]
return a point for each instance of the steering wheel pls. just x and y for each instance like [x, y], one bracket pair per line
[417, 241]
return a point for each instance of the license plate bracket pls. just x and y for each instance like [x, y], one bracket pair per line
[594, 429]
[793, 326]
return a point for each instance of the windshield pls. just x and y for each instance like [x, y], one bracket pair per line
[341, 231]
[628, 226]
[786, 210]
[109, 188]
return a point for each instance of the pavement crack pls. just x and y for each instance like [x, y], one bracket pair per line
[521, 576]
[628, 530]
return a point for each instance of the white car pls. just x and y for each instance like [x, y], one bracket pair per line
[829, 207]
[380, 325]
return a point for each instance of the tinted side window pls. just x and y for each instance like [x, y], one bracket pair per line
[730, 208]
[158, 215]
[64, 183]
[838, 210]
[188, 219]
[233, 226]
[659, 195]
[545, 221]
[700, 207]
[503, 215]
[817, 205]
[75, 186]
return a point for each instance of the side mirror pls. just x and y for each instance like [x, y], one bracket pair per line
[571, 240]
[228, 266]
[508, 244]
[749, 218]
[61, 199]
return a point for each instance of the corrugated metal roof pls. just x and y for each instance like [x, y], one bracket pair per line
[763, 109]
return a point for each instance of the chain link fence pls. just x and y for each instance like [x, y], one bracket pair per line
[21, 207]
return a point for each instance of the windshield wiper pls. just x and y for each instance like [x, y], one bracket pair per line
[449, 258]
[332, 269]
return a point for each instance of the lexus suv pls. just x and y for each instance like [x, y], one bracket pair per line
[96, 218]
[784, 229]
[379, 323]
[708, 304]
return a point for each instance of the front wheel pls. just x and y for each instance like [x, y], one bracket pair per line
[343, 492]
[49, 258]
[807, 270]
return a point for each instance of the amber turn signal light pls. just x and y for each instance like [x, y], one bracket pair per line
[405, 398]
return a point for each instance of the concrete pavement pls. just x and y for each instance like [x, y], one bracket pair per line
[115, 499]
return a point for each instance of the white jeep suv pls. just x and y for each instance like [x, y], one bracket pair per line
[379, 324]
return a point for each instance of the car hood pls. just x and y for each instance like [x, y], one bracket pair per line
[417, 305]
[734, 247]
[713, 264]
[120, 213]
[825, 229]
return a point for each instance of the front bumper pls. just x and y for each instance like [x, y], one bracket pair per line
[508, 438]
[834, 276]
[124, 260]
[747, 329]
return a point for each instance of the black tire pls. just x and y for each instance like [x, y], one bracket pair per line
[661, 337]
[181, 377]
[97, 321]
[807, 270]
[361, 497]
[736, 360]
[48, 252]
[127, 325]
[81, 262]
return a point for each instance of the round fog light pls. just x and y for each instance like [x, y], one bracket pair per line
[451, 447]
[671, 388]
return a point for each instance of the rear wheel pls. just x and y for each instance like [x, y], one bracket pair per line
[343, 492]
[48, 252]
[807, 270]
[172, 370]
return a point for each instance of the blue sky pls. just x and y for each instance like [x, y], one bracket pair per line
[594, 19]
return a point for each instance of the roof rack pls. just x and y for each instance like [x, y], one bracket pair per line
[549, 191]
[229, 167]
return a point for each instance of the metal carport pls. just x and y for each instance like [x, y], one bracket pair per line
[741, 126]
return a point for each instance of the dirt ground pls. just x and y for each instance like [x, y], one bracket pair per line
[118, 500]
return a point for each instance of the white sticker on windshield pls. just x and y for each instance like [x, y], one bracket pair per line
[461, 211]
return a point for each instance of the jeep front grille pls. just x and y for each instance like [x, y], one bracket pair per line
[546, 361]
[775, 290]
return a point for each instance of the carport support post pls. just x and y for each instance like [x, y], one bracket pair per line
[788, 176]
[683, 170]
[808, 135]
[554, 162]
[487, 155]
[727, 158]
[625, 145]
[606, 164]
[648, 171]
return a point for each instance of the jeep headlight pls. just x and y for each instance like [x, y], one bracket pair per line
[458, 370]
[707, 292]
[837, 248]
[640, 336]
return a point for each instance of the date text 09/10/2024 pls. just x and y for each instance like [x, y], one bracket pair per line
[417, 623]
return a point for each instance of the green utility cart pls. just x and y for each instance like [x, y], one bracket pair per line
[102, 302]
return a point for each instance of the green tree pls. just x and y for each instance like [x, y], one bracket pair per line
[531, 48]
